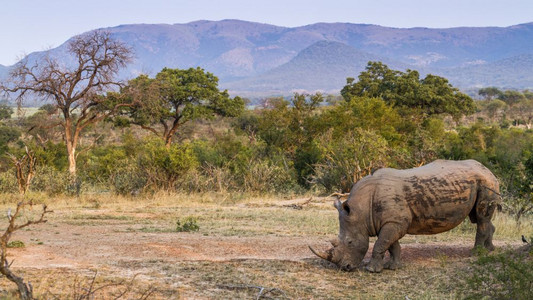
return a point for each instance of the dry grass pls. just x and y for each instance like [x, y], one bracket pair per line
[430, 276]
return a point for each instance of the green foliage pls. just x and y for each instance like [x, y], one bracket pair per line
[348, 159]
[233, 164]
[388, 118]
[8, 181]
[511, 97]
[489, 92]
[49, 180]
[188, 224]
[8, 134]
[504, 275]
[366, 113]
[128, 180]
[51, 154]
[165, 167]
[100, 163]
[16, 244]
[173, 98]
[430, 95]
[5, 112]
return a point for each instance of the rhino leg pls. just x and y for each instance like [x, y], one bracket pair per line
[485, 228]
[389, 234]
[484, 233]
[394, 262]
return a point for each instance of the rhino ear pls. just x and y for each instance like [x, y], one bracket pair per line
[338, 205]
[342, 206]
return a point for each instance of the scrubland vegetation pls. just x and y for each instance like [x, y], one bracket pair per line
[177, 136]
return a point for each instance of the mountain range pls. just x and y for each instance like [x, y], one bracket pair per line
[258, 60]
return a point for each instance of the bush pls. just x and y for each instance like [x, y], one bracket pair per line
[189, 224]
[350, 158]
[128, 180]
[8, 182]
[166, 168]
[49, 180]
[503, 275]
[101, 163]
[16, 244]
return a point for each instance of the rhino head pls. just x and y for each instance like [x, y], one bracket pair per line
[350, 247]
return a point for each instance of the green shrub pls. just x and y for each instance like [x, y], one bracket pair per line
[267, 176]
[349, 158]
[16, 244]
[8, 182]
[503, 275]
[189, 224]
[166, 168]
[100, 163]
[128, 181]
[49, 180]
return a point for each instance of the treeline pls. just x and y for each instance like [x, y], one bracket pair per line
[178, 132]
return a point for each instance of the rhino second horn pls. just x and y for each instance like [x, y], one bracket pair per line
[321, 254]
[335, 242]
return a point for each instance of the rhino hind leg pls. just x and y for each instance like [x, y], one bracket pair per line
[484, 233]
[389, 235]
[485, 208]
[394, 262]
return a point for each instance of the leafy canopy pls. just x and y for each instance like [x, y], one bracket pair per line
[174, 97]
[430, 95]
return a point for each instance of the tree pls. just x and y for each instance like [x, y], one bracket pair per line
[174, 97]
[5, 112]
[75, 87]
[429, 96]
[489, 92]
[494, 106]
[511, 97]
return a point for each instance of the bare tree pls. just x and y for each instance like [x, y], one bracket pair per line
[75, 85]
[24, 169]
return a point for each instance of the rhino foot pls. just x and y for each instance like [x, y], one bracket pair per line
[391, 265]
[374, 266]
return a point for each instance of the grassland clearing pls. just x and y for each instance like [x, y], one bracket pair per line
[241, 244]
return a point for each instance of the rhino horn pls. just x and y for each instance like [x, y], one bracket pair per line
[322, 254]
[335, 242]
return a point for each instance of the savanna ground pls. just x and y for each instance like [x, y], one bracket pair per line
[243, 244]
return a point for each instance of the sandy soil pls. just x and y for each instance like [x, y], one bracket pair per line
[75, 246]
[192, 265]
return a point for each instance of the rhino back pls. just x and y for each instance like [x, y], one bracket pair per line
[431, 199]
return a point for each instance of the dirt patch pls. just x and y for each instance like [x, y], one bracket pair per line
[83, 246]
[264, 246]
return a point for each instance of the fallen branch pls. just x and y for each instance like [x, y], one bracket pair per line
[339, 195]
[299, 205]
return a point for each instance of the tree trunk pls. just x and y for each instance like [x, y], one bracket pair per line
[168, 141]
[71, 160]
[71, 148]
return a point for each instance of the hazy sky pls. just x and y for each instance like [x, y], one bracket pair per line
[27, 26]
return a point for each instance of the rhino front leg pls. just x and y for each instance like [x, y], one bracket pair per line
[394, 262]
[389, 234]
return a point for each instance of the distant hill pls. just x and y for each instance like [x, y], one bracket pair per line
[261, 59]
[323, 66]
[512, 72]
[3, 71]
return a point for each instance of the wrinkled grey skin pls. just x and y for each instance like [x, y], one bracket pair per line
[426, 200]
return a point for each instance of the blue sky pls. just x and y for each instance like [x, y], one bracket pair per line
[27, 26]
